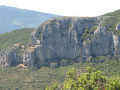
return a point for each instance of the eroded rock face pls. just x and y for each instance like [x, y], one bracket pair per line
[118, 26]
[10, 57]
[61, 38]
[69, 38]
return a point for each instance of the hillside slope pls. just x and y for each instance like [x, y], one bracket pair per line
[12, 18]
[115, 13]
[20, 36]
[37, 79]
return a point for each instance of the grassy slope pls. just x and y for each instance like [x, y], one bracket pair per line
[21, 79]
[21, 36]
[115, 13]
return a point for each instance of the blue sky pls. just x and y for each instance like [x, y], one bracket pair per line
[67, 7]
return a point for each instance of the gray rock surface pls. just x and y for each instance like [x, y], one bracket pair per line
[10, 57]
[69, 38]
[118, 26]
[61, 38]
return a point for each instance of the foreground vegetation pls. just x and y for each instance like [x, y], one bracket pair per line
[38, 79]
[91, 80]
[20, 36]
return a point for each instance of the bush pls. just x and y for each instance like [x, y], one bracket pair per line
[92, 80]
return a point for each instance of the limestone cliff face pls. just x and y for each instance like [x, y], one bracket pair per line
[70, 38]
[10, 56]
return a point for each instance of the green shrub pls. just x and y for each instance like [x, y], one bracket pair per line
[91, 80]
[88, 33]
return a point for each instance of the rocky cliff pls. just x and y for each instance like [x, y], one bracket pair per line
[11, 56]
[71, 38]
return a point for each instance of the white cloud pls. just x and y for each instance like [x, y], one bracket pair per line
[67, 7]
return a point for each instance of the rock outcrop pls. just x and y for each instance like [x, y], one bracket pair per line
[60, 38]
[11, 56]
[70, 38]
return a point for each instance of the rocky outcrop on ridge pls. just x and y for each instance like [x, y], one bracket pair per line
[71, 38]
